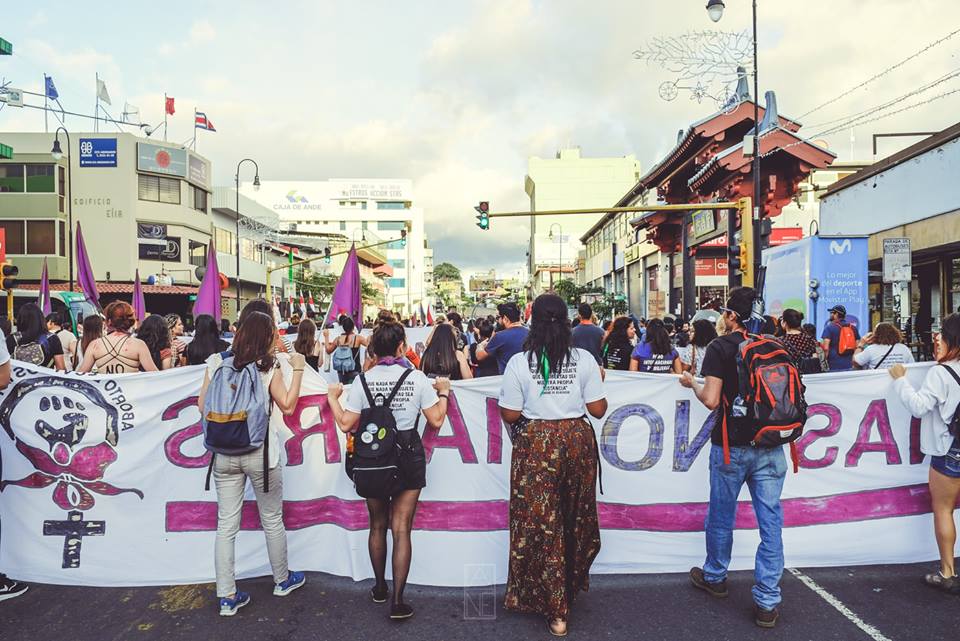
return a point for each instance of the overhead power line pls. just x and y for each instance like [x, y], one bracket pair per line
[882, 73]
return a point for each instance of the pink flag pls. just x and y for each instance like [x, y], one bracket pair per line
[208, 298]
[85, 272]
[44, 301]
[139, 304]
[346, 295]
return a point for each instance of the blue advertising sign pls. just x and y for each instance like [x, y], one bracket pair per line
[98, 152]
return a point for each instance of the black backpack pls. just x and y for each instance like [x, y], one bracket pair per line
[373, 454]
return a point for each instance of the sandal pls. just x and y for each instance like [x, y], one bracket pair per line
[940, 582]
[558, 627]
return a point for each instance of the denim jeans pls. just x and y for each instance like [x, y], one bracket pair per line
[763, 470]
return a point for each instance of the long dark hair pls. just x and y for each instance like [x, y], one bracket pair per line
[92, 330]
[618, 336]
[548, 344]
[387, 337]
[306, 337]
[254, 342]
[657, 337]
[206, 340]
[30, 323]
[703, 332]
[440, 358]
[154, 332]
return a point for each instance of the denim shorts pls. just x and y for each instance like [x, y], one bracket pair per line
[948, 465]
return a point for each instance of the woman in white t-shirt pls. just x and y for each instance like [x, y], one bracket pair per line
[417, 395]
[548, 389]
[254, 343]
[935, 404]
[882, 349]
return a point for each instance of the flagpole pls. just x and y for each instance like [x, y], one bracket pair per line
[96, 109]
[46, 125]
[194, 128]
[164, 116]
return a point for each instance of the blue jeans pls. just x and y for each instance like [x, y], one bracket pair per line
[763, 470]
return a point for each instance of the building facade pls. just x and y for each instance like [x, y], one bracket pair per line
[570, 181]
[144, 206]
[354, 208]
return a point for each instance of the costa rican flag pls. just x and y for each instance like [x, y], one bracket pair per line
[202, 122]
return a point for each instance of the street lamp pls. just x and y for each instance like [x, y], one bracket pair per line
[256, 187]
[715, 11]
[560, 257]
[57, 154]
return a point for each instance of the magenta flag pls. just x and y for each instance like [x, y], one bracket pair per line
[208, 298]
[346, 295]
[139, 304]
[44, 301]
[88, 284]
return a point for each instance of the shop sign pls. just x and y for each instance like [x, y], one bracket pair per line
[704, 222]
[169, 251]
[161, 160]
[98, 152]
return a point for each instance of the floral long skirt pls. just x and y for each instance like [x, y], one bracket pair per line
[554, 533]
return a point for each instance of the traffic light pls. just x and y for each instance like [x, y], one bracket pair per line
[326, 255]
[9, 273]
[483, 215]
[745, 249]
[403, 238]
[766, 230]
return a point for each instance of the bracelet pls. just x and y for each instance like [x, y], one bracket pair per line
[446, 396]
[298, 370]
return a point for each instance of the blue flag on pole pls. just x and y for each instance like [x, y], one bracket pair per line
[49, 88]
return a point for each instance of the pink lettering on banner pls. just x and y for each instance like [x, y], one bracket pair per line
[326, 427]
[916, 456]
[459, 440]
[496, 428]
[173, 446]
[493, 516]
[876, 413]
[834, 422]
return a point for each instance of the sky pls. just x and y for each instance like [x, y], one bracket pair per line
[458, 94]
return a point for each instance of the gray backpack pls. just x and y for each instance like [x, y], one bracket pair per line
[343, 360]
[29, 352]
[236, 414]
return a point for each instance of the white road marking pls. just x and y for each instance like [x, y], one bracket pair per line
[838, 605]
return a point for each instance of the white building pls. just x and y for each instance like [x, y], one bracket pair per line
[351, 207]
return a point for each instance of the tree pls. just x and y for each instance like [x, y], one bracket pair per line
[568, 291]
[446, 271]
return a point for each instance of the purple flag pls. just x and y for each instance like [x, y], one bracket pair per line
[85, 272]
[346, 295]
[208, 298]
[44, 301]
[139, 304]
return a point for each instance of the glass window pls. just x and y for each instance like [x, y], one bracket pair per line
[11, 178]
[363, 225]
[198, 254]
[63, 238]
[391, 204]
[398, 263]
[63, 186]
[14, 232]
[169, 190]
[223, 240]
[390, 225]
[40, 179]
[199, 199]
[249, 249]
[41, 237]
[396, 244]
[147, 188]
[397, 283]
[343, 225]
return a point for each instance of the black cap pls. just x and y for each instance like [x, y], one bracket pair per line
[840, 309]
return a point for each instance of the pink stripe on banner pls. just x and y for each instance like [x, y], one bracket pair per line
[492, 516]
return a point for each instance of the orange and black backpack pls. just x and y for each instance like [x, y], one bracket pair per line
[847, 341]
[771, 392]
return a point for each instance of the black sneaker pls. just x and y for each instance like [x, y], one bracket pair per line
[765, 618]
[400, 611]
[379, 596]
[940, 582]
[718, 590]
[10, 589]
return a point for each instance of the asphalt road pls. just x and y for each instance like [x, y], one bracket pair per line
[888, 602]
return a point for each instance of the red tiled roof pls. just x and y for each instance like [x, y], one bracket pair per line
[119, 288]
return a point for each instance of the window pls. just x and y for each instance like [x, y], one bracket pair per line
[343, 225]
[224, 241]
[63, 186]
[398, 263]
[363, 225]
[390, 225]
[63, 238]
[159, 190]
[391, 204]
[250, 250]
[15, 231]
[41, 237]
[11, 178]
[40, 179]
[397, 283]
[198, 254]
[198, 199]
[396, 244]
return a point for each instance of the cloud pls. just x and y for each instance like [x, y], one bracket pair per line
[202, 31]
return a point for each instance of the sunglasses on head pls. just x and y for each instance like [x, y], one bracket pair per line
[727, 309]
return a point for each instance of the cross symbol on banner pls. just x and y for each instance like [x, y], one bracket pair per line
[73, 530]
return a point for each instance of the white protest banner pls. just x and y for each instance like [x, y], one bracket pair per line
[102, 482]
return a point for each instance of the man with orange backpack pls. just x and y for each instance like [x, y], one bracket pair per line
[754, 388]
[840, 340]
